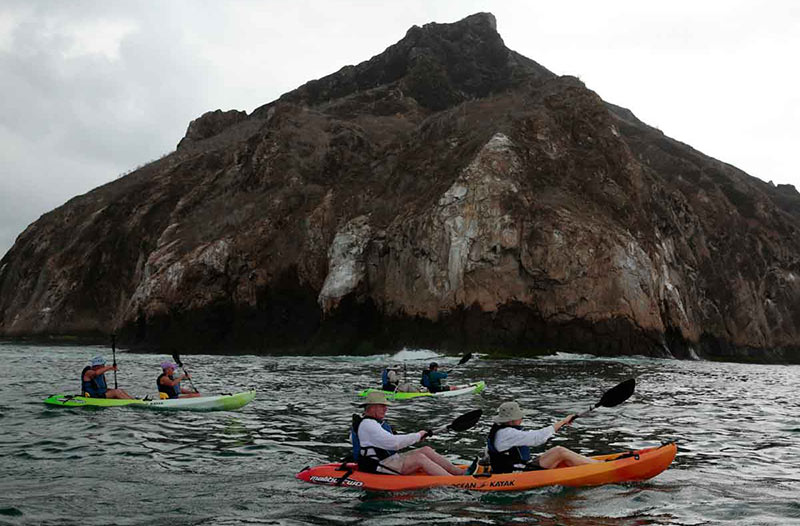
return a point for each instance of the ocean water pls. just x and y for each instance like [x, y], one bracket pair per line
[736, 426]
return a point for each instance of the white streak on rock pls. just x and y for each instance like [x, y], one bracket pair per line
[345, 262]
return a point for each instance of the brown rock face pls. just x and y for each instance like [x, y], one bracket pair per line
[448, 192]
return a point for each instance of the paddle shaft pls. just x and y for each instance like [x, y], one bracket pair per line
[462, 423]
[180, 364]
[611, 398]
[396, 387]
[463, 360]
[114, 357]
[584, 413]
[190, 380]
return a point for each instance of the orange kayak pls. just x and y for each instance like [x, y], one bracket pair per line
[617, 467]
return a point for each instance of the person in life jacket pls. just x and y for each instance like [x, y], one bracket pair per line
[390, 379]
[509, 446]
[93, 380]
[171, 386]
[432, 379]
[375, 446]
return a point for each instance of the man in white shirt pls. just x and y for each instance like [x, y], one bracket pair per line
[509, 446]
[376, 447]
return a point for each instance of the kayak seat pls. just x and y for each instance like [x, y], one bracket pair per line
[533, 465]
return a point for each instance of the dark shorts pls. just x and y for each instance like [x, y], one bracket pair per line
[533, 464]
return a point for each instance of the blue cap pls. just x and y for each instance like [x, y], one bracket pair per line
[98, 360]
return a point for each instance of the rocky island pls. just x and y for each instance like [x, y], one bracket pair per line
[447, 193]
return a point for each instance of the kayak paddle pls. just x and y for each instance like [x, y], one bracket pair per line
[462, 423]
[613, 397]
[114, 354]
[396, 387]
[464, 359]
[180, 364]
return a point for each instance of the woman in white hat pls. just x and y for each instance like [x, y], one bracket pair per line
[375, 446]
[509, 446]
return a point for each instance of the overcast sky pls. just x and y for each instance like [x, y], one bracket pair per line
[92, 89]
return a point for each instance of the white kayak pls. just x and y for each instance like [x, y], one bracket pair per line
[475, 387]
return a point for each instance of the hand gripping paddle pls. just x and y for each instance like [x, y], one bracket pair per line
[180, 364]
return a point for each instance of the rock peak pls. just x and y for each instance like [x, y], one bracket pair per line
[480, 19]
[437, 65]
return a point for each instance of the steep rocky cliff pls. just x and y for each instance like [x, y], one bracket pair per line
[448, 192]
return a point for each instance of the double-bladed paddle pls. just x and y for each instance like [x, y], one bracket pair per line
[462, 423]
[180, 364]
[611, 398]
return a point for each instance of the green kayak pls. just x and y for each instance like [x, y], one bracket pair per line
[225, 402]
[475, 387]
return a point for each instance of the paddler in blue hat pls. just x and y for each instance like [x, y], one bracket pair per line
[93, 380]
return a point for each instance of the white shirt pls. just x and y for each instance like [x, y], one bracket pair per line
[371, 434]
[509, 437]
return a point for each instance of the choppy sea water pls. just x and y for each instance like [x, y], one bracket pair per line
[736, 425]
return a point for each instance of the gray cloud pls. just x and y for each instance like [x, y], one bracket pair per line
[78, 107]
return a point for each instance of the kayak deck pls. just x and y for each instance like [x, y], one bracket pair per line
[617, 467]
[474, 387]
[226, 402]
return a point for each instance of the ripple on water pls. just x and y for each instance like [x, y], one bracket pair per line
[731, 423]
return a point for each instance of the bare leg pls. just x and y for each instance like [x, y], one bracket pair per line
[118, 393]
[561, 455]
[431, 462]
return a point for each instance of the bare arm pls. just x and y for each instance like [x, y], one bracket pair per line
[166, 380]
[91, 373]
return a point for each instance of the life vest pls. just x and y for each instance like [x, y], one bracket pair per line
[368, 458]
[96, 387]
[386, 383]
[172, 391]
[426, 380]
[433, 381]
[506, 461]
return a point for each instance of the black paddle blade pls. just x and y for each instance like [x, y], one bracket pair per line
[177, 359]
[464, 359]
[618, 394]
[466, 421]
